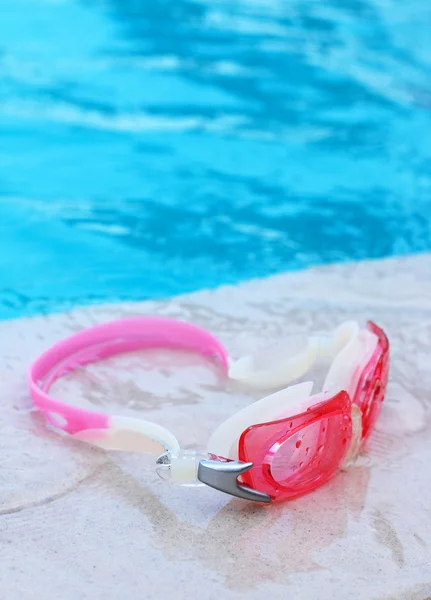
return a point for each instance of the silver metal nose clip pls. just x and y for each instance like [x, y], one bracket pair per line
[223, 476]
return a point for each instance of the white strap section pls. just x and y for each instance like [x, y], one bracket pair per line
[281, 365]
[131, 435]
[274, 367]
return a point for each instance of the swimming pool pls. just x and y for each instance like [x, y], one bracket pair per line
[155, 148]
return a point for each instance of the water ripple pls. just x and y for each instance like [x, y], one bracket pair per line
[155, 148]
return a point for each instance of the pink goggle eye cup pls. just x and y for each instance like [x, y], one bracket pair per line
[296, 455]
[293, 456]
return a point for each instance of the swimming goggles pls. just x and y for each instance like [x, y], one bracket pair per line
[280, 447]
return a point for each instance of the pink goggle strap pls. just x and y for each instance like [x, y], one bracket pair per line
[103, 341]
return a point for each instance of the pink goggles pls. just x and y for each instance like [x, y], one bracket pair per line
[280, 447]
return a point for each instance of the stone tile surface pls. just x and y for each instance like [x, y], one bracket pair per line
[78, 523]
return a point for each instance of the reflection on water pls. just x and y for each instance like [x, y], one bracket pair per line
[155, 148]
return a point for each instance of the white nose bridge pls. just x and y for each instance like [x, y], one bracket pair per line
[347, 366]
[278, 366]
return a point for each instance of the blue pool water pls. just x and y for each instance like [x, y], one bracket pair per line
[153, 148]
